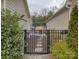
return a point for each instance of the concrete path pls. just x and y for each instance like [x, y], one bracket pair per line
[37, 56]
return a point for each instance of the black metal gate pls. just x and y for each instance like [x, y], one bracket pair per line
[36, 42]
[39, 41]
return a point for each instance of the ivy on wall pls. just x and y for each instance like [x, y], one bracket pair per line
[72, 37]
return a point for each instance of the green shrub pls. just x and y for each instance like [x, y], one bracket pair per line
[11, 36]
[72, 37]
[60, 50]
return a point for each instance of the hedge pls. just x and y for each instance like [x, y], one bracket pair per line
[11, 35]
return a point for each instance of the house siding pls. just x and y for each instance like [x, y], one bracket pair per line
[19, 7]
[59, 22]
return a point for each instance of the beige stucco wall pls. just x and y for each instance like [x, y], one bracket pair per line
[19, 6]
[74, 2]
[59, 22]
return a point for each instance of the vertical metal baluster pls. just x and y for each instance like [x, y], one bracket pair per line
[33, 42]
[46, 42]
[27, 34]
[30, 43]
[24, 41]
[59, 35]
[43, 42]
[36, 39]
[28, 40]
[54, 35]
[62, 35]
[51, 35]
[51, 39]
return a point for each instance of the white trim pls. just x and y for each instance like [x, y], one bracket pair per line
[4, 3]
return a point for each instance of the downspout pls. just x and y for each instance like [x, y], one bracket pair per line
[28, 13]
[27, 9]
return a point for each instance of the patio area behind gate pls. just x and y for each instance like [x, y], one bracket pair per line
[39, 41]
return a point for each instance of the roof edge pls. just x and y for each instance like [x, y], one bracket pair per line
[60, 10]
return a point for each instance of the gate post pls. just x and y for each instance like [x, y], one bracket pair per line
[48, 41]
[25, 38]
